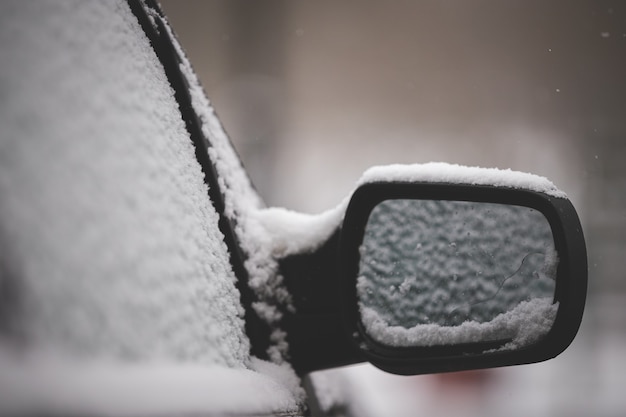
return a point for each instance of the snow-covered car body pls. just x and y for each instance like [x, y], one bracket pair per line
[140, 271]
[118, 287]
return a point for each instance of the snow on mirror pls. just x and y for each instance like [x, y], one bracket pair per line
[436, 273]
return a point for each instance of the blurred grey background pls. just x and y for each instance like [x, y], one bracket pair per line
[313, 93]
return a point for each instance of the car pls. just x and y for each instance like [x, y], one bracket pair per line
[142, 274]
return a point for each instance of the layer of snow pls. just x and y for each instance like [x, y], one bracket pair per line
[524, 325]
[47, 383]
[288, 232]
[438, 172]
[115, 283]
[113, 241]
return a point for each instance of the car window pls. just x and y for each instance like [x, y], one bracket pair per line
[102, 196]
[110, 246]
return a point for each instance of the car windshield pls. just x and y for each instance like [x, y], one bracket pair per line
[117, 290]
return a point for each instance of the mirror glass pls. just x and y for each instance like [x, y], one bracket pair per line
[436, 273]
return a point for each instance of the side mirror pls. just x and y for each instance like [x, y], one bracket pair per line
[441, 277]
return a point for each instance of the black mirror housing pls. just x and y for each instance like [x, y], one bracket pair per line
[569, 287]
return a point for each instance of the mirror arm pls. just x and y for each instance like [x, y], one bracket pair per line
[315, 331]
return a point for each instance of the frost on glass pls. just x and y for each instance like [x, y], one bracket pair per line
[449, 272]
